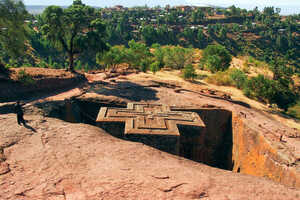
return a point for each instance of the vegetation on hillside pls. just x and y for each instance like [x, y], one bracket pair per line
[12, 30]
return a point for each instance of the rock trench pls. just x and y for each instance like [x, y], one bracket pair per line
[211, 146]
[226, 142]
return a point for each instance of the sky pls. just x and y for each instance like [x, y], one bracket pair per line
[287, 6]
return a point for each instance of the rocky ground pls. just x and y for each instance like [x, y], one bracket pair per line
[60, 160]
[54, 159]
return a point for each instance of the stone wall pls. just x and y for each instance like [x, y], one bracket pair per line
[252, 154]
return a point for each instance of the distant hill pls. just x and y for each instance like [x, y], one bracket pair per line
[35, 9]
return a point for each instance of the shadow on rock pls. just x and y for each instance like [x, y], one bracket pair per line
[29, 127]
[126, 90]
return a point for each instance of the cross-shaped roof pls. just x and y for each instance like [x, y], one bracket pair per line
[149, 118]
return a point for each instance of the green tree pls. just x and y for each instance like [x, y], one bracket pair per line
[12, 28]
[178, 57]
[269, 11]
[223, 33]
[75, 30]
[189, 72]
[260, 88]
[116, 55]
[149, 35]
[239, 78]
[282, 71]
[138, 55]
[216, 58]
[197, 16]
[213, 63]
[159, 55]
[154, 67]
[270, 91]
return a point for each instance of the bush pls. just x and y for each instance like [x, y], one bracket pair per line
[138, 55]
[116, 55]
[178, 57]
[189, 72]
[260, 88]
[213, 63]
[270, 91]
[239, 78]
[159, 55]
[25, 78]
[144, 65]
[154, 67]
[284, 97]
[216, 58]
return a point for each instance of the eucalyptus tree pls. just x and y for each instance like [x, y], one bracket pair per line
[75, 30]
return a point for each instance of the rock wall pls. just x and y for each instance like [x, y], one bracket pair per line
[211, 145]
[230, 142]
[11, 91]
[252, 154]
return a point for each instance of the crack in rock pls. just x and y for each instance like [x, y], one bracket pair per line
[161, 177]
[4, 168]
[23, 193]
[172, 188]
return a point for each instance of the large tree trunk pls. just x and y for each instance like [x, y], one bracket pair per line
[71, 62]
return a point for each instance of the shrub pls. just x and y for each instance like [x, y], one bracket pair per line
[138, 54]
[260, 88]
[284, 96]
[238, 77]
[144, 65]
[159, 55]
[216, 58]
[178, 57]
[116, 55]
[25, 78]
[213, 63]
[189, 72]
[154, 67]
[271, 91]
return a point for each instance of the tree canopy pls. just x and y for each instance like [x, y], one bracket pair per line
[178, 57]
[74, 30]
[216, 58]
[12, 28]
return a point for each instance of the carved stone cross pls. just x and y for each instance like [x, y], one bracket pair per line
[149, 118]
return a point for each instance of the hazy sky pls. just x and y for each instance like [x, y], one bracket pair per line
[287, 5]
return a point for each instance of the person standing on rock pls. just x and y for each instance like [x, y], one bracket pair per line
[20, 114]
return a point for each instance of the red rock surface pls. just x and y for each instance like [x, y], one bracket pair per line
[62, 160]
[76, 161]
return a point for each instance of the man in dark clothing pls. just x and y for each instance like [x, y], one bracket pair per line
[19, 112]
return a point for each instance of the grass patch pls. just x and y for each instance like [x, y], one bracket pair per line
[220, 78]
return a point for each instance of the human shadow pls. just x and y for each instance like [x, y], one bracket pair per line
[29, 127]
[126, 90]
